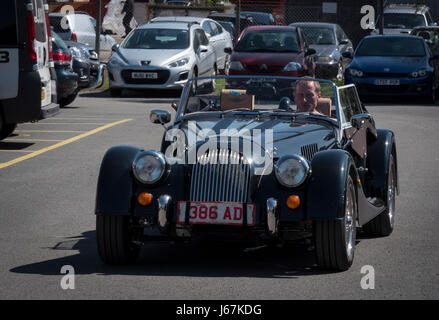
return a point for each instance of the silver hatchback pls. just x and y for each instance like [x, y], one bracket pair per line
[161, 56]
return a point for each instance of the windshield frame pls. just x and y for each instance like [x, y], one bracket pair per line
[180, 116]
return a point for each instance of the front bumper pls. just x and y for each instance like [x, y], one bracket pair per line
[167, 78]
[408, 87]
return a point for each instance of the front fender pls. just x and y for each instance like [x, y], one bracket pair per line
[115, 182]
[327, 184]
[378, 156]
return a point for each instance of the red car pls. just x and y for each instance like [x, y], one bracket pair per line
[272, 50]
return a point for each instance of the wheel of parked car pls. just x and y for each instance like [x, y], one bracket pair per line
[69, 99]
[431, 98]
[194, 85]
[115, 240]
[340, 73]
[383, 224]
[212, 85]
[227, 65]
[115, 92]
[6, 129]
[335, 240]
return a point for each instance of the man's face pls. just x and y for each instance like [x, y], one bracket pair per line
[306, 97]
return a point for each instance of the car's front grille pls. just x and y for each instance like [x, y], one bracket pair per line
[221, 175]
[309, 150]
[162, 77]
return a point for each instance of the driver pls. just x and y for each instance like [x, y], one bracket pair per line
[306, 95]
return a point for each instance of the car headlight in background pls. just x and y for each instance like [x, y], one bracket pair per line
[420, 73]
[178, 63]
[291, 170]
[356, 73]
[236, 65]
[293, 66]
[325, 59]
[75, 52]
[149, 167]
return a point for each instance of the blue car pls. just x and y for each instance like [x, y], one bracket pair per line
[393, 65]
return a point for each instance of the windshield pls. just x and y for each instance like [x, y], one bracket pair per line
[403, 20]
[392, 47]
[269, 41]
[157, 39]
[318, 35]
[259, 95]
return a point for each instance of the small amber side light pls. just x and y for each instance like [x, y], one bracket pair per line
[293, 202]
[144, 199]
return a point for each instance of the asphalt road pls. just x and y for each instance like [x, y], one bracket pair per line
[48, 175]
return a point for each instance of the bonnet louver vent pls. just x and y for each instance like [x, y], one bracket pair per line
[309, 150]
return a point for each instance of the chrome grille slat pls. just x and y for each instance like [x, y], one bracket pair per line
[308, 151]
[220, 175]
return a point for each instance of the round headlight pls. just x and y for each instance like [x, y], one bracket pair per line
[149, 167]
[291, 170]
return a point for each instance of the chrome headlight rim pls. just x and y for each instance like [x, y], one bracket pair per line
[158, 156]
[301, 160]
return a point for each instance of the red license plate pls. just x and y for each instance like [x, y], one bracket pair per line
[226, 213]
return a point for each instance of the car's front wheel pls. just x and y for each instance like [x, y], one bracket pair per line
[115, 240]
[335, 240]
[6, 129]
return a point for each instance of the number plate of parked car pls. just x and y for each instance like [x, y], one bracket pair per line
[224, 213]
[144, 75]
[387, 82]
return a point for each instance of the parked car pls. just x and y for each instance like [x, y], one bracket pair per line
[261, 18]
[230, 28]
[272, 50]
[223, 189]
[393, 65]
[244, 20]
[330, 41]
[27, 81]
[430, 35]
[85, 63]
[402, 18]
[218, 37]
[67, 80]
[161, 56]
[80, 27]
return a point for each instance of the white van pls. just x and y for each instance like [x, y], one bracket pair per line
[27, 79]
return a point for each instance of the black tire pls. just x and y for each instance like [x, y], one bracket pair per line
[212, 84]
[6, 129]
[226, 69]
[194, 86]
[115, 241]
[382, 225]
[431, 97]
[68, 100]
[335, 245]
[115, 92]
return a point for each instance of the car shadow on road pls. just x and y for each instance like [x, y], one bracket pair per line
[175, 94]
[188, 260]
[397, 102]
[6, 145]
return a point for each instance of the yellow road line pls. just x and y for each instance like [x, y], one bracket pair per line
[64, 123]
[63, 131]
[62, 143]
[85, 118]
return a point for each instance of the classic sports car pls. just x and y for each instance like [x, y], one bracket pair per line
[243, 164]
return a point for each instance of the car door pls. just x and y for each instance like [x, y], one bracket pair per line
[205, 59]
[351, 107]
[215, 41]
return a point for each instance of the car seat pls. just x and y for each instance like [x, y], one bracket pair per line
[324, 106]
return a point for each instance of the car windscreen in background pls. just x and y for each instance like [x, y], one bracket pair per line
[403, 21]
[392, 47]
[316, 35]
[8, 24]
[157, 39]
[269, 41]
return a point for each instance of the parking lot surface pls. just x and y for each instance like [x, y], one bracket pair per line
[48, 177]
